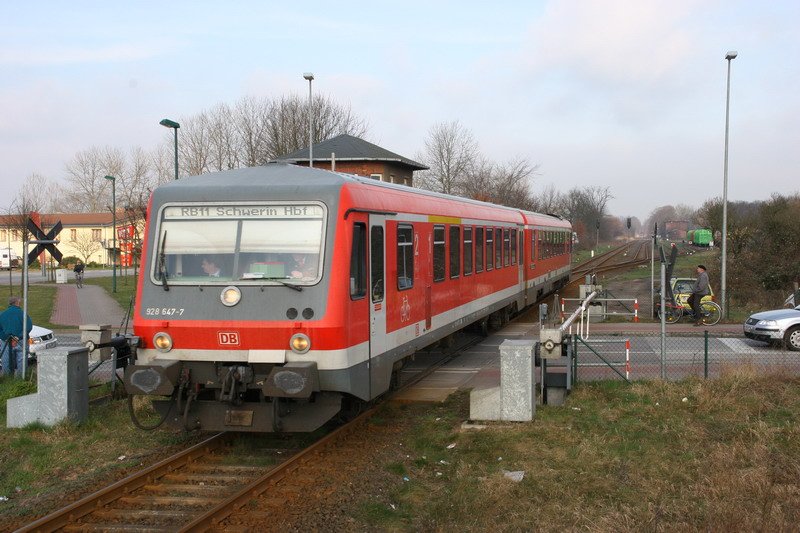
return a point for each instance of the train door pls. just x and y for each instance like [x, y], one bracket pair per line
[378, 341]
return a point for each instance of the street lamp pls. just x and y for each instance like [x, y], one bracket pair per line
[728, 57]
[310, 77]
[113, 181]
[167, 123]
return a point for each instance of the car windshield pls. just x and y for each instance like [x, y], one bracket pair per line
[200, 244]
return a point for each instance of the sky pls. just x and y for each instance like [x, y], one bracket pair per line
[628, 94]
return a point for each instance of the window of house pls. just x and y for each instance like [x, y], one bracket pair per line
[3, 235]
[468, 250]
[73, 234]
[97, 235]
[358, 262]
[405, 256]
[378, 177]
[455, 251]
[438, 253]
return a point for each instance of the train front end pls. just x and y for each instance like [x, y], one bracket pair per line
[236, 310]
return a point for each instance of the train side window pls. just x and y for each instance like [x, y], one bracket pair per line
[376, 263]
[513, 247]
[506, 247]
[468, 250]
[478, 250]
[438, 253]
[455, 251]
[405, 256]
[538, 239]
[358, 262]
[498, 248]
[489, 248]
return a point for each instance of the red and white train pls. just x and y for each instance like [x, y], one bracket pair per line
[272, 297]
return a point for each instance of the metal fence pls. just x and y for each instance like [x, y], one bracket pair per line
[675, 356]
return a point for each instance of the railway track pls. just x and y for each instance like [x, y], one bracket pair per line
[629, 254]
[200, 488]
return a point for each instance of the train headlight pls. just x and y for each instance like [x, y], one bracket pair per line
[300, 343]
[162, 341]
[230, 296]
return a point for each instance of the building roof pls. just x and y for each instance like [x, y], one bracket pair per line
[349, 148]
[68, 219]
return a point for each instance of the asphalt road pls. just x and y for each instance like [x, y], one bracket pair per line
[36, 275]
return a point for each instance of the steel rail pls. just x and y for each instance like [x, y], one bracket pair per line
[85, 506]
[220, 512]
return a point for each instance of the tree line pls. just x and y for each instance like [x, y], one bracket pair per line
[253, 131]
[763, 244]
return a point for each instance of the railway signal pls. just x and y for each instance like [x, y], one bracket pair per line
[44, 241]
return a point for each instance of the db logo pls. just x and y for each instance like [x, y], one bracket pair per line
[228, 338]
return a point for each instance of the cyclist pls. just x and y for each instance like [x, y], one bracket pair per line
[78, 269]
[699, 290]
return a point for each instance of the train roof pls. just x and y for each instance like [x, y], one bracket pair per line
[285, 181]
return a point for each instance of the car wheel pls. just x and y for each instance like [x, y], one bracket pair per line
[792, 339]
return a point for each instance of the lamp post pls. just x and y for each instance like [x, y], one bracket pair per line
[728, 57]
[167, 123]
[310, 77]
[113, 181]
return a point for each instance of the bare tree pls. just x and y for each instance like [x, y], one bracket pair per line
[513, 183]
[252, 118]
[85, 245]
[223, 139]
[253, 131]
[194, 148]
[162, 159]
[549, 201]
[452, 153]
[86, 186]
[586, 208]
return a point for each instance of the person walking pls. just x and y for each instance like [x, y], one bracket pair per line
[699, 290]
[11, 337]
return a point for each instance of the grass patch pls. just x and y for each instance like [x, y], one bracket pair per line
[616, 457]
[582, 256]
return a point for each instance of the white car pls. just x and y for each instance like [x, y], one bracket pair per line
[780, 325]
[40, 339]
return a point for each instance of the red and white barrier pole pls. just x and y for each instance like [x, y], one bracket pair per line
[627, 358]
[636, 310]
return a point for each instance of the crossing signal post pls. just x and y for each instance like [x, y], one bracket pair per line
[44, 242]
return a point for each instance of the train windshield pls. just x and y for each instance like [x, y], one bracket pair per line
[243, 243]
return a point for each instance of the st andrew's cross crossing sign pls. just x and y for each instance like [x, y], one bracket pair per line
[40, 235]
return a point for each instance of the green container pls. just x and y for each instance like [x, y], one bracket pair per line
[702, 237]
[690, 235]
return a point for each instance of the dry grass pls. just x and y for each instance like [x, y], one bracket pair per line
[620, 458]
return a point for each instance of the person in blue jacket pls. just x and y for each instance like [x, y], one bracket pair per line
[11, 337]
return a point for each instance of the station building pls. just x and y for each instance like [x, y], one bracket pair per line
[351, 155]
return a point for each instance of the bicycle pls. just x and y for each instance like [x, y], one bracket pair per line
[710, 312]
[79, 278]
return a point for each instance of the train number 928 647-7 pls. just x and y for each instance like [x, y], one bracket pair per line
[163, 311]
